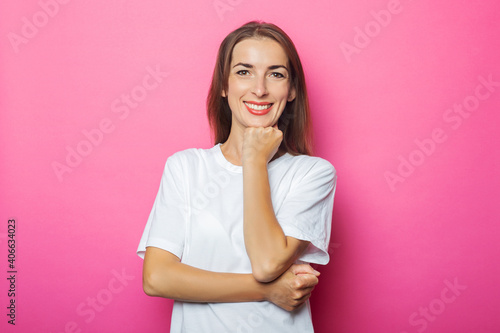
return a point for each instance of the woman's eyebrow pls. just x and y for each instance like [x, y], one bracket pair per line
[251, 66]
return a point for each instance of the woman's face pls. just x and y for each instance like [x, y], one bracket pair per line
[259, 83]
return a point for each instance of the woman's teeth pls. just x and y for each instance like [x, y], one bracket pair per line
[258, 107]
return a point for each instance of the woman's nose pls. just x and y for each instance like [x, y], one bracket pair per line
[260, 87]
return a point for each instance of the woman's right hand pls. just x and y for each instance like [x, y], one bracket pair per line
[293, 287]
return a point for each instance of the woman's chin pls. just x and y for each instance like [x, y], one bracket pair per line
[261, 123]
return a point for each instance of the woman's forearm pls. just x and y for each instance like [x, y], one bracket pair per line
[269, 250]
[165, 276]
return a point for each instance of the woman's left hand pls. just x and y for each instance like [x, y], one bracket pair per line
[261, 143]
[290, 290]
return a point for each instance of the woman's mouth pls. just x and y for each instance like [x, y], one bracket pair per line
[258, 109]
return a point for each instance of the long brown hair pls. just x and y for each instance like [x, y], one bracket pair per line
[295, 121]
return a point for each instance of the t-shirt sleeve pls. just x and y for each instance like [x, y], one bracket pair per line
[306, 212]
[166, 224]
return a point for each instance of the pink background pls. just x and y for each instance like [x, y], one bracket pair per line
[377, 96]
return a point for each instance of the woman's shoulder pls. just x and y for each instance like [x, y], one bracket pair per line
[308, 163]
[189, 156]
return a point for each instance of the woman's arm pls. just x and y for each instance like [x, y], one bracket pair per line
[270, 251]
[165, 276]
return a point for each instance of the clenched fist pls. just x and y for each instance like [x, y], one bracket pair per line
[261, 143]
[293, 287]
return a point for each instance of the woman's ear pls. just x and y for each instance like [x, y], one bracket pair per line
[223, 93]
[291, 94]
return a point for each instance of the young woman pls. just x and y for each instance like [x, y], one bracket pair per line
[233, 227]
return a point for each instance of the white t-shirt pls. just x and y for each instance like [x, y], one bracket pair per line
[198, 216]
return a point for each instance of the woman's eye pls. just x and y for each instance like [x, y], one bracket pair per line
[277, 75]
[242, 72]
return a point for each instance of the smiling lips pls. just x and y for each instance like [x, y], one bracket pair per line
[258, 108]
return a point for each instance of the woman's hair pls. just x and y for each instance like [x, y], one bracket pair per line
[294, 122]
